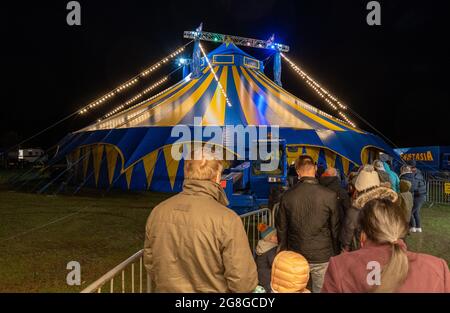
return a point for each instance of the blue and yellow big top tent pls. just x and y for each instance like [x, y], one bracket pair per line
[132, 149]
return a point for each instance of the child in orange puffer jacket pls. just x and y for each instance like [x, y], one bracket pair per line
[290, 273]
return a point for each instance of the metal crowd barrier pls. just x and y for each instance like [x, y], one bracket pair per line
[122, 271]
[438, 191]
[131, 277]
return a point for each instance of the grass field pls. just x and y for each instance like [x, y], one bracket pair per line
[435, 239]
[40, 234]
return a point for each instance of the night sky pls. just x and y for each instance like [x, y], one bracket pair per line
[395, 75]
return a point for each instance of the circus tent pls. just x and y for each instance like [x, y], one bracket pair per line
[132, 149]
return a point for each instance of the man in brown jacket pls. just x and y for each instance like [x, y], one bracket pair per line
[194, 243]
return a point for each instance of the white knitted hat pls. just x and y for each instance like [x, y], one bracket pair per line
[367, 178]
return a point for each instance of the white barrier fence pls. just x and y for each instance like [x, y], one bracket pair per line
[438, 191]
[130, 276]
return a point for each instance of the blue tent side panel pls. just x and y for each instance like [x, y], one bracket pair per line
[103, 179]
[138, 179]
[321, 161]
[160, 181]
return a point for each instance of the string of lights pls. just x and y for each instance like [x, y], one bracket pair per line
[136, 115]
[346, 118]
[125, 105]
[136, 97]
[133, 80]
[215, 76]
[332, 101]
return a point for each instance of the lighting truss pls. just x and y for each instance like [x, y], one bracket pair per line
[240, 41]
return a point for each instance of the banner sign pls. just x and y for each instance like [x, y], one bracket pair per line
[447, 188]
[427, 156]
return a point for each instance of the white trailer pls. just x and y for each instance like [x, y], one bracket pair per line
[30, 155]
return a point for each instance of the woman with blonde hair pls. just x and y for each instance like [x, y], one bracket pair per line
[383, 264]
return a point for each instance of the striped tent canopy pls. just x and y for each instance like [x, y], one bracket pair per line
[132, 149]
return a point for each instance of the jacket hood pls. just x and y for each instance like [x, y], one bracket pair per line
[264, 246]
[331, 182]
[290, 272]
[206, 188]
[405, 185]
[375, 193]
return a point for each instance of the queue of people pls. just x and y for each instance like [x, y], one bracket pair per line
[326, 238]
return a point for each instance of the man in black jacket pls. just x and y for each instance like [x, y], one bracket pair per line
[330, 179]
[307, 221]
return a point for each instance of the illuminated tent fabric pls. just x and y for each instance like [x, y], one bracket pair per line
[131, 150]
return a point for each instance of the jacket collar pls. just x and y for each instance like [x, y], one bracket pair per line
[309, 180]
[205, 188]
[370, 244]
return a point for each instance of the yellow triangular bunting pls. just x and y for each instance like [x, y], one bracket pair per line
[86, 155]
[171, 164]
[76, 161]
[128, 174]
[330, 158]
[97, 154]
[345, 165]
[111, 158]
[149, 162]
